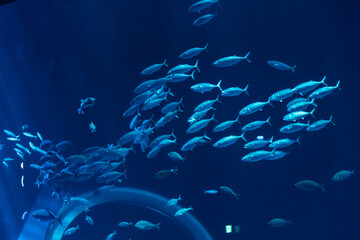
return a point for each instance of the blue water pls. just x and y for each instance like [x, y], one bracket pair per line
[54, 53]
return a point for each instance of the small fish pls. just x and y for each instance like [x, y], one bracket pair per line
[71, 231]
[205, 87]
[309, 185]
[13, 139]
[39, 136]
[228, 190]
[125, 224]
[111, 236]
[46, 216]
[231, 60]
[176, 157]
[92, 127]
[180, 77]
[174, 201]
[225, 125]
[197, 126]
[198, 115]
[308, 86]
[24, 215]
[226, 141]
[281, 66]
[27, 134]
[153, 68]
[285, 142]
[193, 52]
[201, 5]
[146, 225]
[293, 116]
[171, 106]
[300, 106]
[203, 19]
[342, 175]
[294, 127]
[281, 95]
[256, 156]
[257, 143]
[253, 107]
[211, 191]
[166, 173]
[324, 91]
[10, 133]
[276, 155]
[206, 105]
[181, 211]
[255, 125]
[296, 100]
[320, 124]
[89, 220]
[279, 222]
[234, 91]
[184, 68]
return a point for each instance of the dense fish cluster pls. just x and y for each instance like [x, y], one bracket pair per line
[154, 107]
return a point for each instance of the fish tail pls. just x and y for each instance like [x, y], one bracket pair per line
[246, 89]
[323, 81]
[180, 197]
[169, 92]
[157, 226]
[205, 48]
[125, 176]
[217, 99]
[313, 102]
[298, 140]
[247, 57]
[268, 121]
[173, 134]
[213, 118]
[308, 123]
[196, 65]
[165, 63]
[293, 68]
[271, 139]
[269, 102]
[242, 136]
[218, 85]
[312, 113]
[323, 187]
[337, 85]
[237, 119]
[192, 75]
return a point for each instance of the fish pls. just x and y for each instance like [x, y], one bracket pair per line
[89, 220]
[153, 68]
[146, 225]
[279, 222]
[86, 103]
[294, 127]
[206, 105]
[205, 87]
[152, 104]
[13, 139]
[193, 52]
[324, 91]
[253, 107]
[256, 156]
[196, 141]
[153, 152]
[226, 141]
[173, 202]
[151, 85]
[158, 139]
[308, 86]
[180, 77]
[111, 176]
[281, 95]
[176, 157]
[111, 236]
[92, 127]
[125, 224]
[231, 60]
[228, 190]
[184, 68]
[197, 126]
[234, 91]
[300, 106]
[196, 116]
[255, 125]
[204, 19]
[71, 231]
[181, 211]
[281, 66]
[166, 142]
[320, 124]
[342, 175]
[201, 5]
[45, 216]
[165, 173]
[258, 143]
[309, 185]
[61, 146]
[296, 100]
[11, 134]
[285, 142]
[276, 155]
[135, 121]
[39, 136]
[226, 125]
[171, 106]
[293, 116]
[27, 134]
[211, 191]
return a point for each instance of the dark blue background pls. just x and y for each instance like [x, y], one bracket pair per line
[52, 53]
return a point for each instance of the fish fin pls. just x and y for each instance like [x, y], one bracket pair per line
[237, 119]
[312, 102]
[312, 113]
[217, 99]
[157, 226]
[337, 85]
[330, 120]
[196, 65]
[192, 75]
[298, 140]
[323, 81]
[218, 85]
[293, 68]
[268, 121]
[213, 118]
[246, 89]
[164, 63]
[271, 139]
[237, 195]
[242, 136]
[206, 47]
[269, 102]
[322, 187]
[247, 57]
